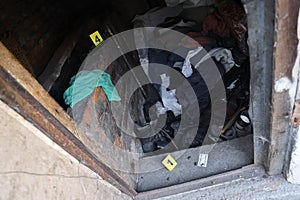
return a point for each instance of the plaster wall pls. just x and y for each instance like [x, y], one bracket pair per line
[34, 167]
[293, 174]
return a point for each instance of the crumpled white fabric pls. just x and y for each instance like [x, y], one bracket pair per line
[222, 55]
[169, 97]
[187, 70]
[160, 109]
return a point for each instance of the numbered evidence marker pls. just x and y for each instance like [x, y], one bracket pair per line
[203, 159]
[96, 38]
[169, 162]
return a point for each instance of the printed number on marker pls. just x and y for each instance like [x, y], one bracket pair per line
[169, 162]
[96, 38]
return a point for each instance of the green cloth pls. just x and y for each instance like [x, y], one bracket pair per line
[84, 83]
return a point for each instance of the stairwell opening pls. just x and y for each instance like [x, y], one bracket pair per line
[52, 41]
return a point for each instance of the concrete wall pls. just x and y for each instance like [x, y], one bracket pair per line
[260, 16]
[34, 167]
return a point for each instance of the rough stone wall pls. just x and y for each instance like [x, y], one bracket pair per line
[34, 167]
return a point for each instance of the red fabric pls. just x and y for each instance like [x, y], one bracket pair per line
[215, 23]
[236, 20]
[234, 15]
[228, 21]
[212, 23]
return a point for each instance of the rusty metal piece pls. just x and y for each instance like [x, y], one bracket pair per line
[296, 113]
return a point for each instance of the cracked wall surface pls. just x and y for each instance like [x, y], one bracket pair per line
[34, 167]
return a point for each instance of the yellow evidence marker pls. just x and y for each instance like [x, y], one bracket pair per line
[96, 38]
[169, 162]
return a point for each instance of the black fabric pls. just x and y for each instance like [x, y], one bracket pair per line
[237, 97]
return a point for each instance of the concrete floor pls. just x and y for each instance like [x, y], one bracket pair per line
[249, 183]
[225, 156]
[258, 188]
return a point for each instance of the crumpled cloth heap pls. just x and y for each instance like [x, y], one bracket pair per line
[84, 83]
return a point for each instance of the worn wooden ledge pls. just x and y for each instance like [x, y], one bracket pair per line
[21, 91]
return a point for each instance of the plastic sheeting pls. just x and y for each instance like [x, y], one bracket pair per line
[84, 83]
[187, 70]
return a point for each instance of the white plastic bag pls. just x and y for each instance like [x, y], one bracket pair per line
[187, 70]
[169, 97]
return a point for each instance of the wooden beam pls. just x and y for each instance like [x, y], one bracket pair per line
[55, 65]
[285, 52]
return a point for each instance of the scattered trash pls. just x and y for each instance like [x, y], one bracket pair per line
[229, 134]
[187, 70]
[243, 125]
[224, 56]
[220, 35]
[169, 99]
[158, 133]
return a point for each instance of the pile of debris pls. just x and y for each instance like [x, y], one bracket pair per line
[219, 30]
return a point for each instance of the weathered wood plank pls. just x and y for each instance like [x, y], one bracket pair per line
[54, 67]
[284, 58]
